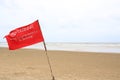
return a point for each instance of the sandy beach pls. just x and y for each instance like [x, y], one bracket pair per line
[30, 64]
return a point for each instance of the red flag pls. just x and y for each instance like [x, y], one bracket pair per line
[25, 36]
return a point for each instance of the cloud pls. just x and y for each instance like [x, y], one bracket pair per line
[65, 20]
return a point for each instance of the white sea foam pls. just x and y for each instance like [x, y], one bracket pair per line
[89, 47]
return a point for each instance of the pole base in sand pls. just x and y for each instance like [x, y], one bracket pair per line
[53, 78]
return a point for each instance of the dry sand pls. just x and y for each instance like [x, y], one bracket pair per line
[28, 64]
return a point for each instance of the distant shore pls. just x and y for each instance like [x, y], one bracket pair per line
[84, 47]
[30, 64]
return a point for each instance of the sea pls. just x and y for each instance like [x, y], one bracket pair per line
[79, 47]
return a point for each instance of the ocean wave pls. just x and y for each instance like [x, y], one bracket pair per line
[89, 47]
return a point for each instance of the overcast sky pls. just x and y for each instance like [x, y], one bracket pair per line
[64, 20]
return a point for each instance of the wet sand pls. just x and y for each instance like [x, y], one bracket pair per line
[30, 64]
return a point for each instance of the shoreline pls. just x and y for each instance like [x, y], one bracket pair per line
[68, 50]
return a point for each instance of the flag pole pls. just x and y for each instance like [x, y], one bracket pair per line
[48, 59]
